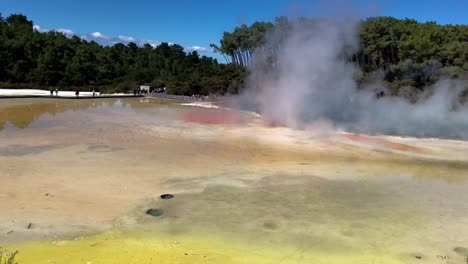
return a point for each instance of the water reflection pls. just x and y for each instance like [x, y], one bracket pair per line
[21, 113]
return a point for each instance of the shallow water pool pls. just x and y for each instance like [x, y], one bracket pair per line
[78, 178]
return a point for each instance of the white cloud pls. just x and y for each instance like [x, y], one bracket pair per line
[65, 31]
[99, 35]
[39, 29]
[152, 43]
[198, 49]
[126, 39]
[109, 41]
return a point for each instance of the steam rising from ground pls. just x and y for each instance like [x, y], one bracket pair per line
[311, 81]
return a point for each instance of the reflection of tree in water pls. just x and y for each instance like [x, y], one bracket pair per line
[22, 115]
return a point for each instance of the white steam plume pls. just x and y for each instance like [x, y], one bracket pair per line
[309, 80]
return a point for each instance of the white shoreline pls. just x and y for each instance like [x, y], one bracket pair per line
[37, 92]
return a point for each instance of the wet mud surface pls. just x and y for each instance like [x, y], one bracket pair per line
[116, 181]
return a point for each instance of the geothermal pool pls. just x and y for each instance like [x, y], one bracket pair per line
[79, 176]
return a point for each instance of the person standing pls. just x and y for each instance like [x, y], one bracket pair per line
[56, 91]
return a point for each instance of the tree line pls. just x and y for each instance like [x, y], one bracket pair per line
[32, 59]
[408, 52]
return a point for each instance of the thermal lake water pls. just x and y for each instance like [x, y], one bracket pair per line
[79, 176]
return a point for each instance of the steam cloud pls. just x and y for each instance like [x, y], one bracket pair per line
[311, 81]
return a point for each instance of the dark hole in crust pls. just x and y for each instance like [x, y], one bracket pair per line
[167, 196]
[463, 251]
[154, 212]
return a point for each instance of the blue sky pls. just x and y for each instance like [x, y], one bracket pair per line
[199, 23]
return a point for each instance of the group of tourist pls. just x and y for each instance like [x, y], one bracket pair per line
[77, 93]
[139, 92]
[52, 92]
